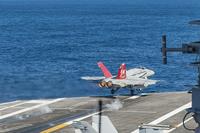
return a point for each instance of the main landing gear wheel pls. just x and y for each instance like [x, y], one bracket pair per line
[139, 91]
[112, 91]
[132, 92]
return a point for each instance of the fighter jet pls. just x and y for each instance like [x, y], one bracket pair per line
[133, 79]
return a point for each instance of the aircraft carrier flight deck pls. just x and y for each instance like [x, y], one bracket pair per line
[127, 113]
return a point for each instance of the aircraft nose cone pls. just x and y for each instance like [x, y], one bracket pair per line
[152, 72]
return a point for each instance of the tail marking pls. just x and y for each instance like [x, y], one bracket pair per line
[122, 72]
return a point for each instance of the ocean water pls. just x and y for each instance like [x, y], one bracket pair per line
[46, 46]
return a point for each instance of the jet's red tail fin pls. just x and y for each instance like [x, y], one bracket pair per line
[122, 72]
[105, 71]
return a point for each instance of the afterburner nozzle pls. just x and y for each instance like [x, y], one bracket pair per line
[102, 84]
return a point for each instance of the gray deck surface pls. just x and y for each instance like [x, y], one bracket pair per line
[37, 115]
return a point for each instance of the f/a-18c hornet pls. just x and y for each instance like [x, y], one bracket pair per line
[133, 79]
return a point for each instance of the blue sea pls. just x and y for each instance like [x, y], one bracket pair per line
[47, 45]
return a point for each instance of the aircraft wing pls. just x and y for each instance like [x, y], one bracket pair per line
[139, 73]
[136, 82]
[92, 78]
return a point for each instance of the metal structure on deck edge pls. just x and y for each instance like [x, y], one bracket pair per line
[188, 48]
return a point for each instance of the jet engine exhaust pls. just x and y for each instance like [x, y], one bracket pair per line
[109, 84]
[102, 84]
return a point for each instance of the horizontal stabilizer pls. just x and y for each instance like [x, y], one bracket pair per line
[105, 71]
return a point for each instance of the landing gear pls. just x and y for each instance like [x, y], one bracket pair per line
[112, 91]
[132, 92]
[139, 90]
[135, 91]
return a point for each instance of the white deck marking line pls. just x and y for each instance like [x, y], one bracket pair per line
[12, 106]
[177, 126]
[82, 118]
[132, 97]
[39, 101]
[30, 108]
[168, 115]
[9, 102]
[31, 101]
